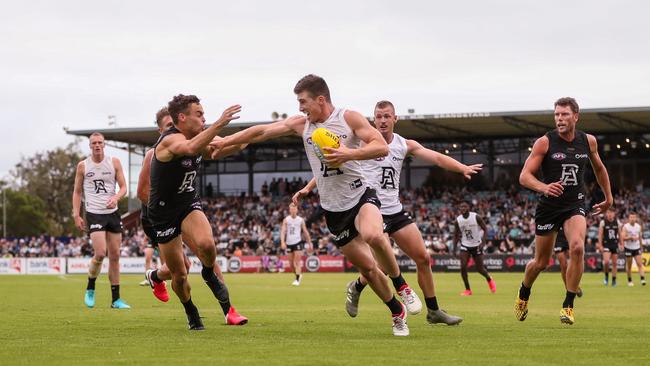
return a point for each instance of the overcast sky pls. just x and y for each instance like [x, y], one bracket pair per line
[73, 63]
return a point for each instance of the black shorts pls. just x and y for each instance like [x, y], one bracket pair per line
[612, 248]
[547, 220]
[149, 232]
[341, 224]
[104, 222]
[632, 252]
[295, 247]
[394, 222]
[166, 231]
[472, 251]
[561, 246]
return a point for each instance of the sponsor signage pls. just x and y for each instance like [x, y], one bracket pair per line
[13, 265]
[46, 265]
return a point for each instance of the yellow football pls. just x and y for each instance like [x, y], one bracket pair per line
[321, 138]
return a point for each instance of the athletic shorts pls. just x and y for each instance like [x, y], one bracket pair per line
[472, 251]
[165, 231]
[104, 222]
[295, 247]
[395, 222]
[632, 252]
[341, 224]
[149, 232]
[547, 221]
[612, 248]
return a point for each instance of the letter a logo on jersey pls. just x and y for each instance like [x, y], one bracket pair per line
[100, 186]
[188, 182]
[569, 175]
[387, 178]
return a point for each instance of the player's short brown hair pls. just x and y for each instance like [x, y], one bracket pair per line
[162, 113]
[384, 104]
[314, 85]
[568, 101]
[180, 104]
[97, 134]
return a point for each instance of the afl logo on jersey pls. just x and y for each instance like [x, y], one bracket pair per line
[90, 174]
[309, 140]
[558, 156]
[186, 163]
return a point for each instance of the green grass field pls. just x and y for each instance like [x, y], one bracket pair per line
[43, 321]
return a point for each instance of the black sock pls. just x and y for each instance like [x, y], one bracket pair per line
[358, 285]
[394, 306]
[190, 308]
[115, 292]
[488, 278]
[297, 277]
[629, 279]
[524, 292]
[613, 278]
[154, 277]
[398, 282]
[432, 303]
[607, 276]
[91, 283]
[568, 300]
[219, 289]
[642, 278]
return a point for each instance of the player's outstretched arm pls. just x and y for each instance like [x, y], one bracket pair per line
[176, 145]
[304, 191]
[602, 177]
[212, 153]
[76, 197]
[143, 179]
[446, 162]
[531, 166]
[374, 144]
[291, 126]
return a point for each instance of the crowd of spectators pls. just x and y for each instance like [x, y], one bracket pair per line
[250, 225]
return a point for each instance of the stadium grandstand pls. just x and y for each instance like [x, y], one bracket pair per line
[246, 195]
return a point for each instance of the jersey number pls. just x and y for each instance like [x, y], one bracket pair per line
[387, 178]
[188, 182]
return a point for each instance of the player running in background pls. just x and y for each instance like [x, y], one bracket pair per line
[608, 241]
[175, 207]
[563, 156]
[351, 208]
[96, 177]
[384, 175]
[631, 237]
[471, 232]
[291, 240]
[561, 248]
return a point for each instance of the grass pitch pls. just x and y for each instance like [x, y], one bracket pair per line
[43, 321]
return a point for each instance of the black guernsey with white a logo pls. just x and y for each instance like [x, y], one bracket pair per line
[566, 162]
[610, 233]
[173, 184]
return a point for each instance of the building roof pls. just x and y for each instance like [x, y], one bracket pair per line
[448, 126]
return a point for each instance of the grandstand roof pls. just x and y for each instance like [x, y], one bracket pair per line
[445, 126]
